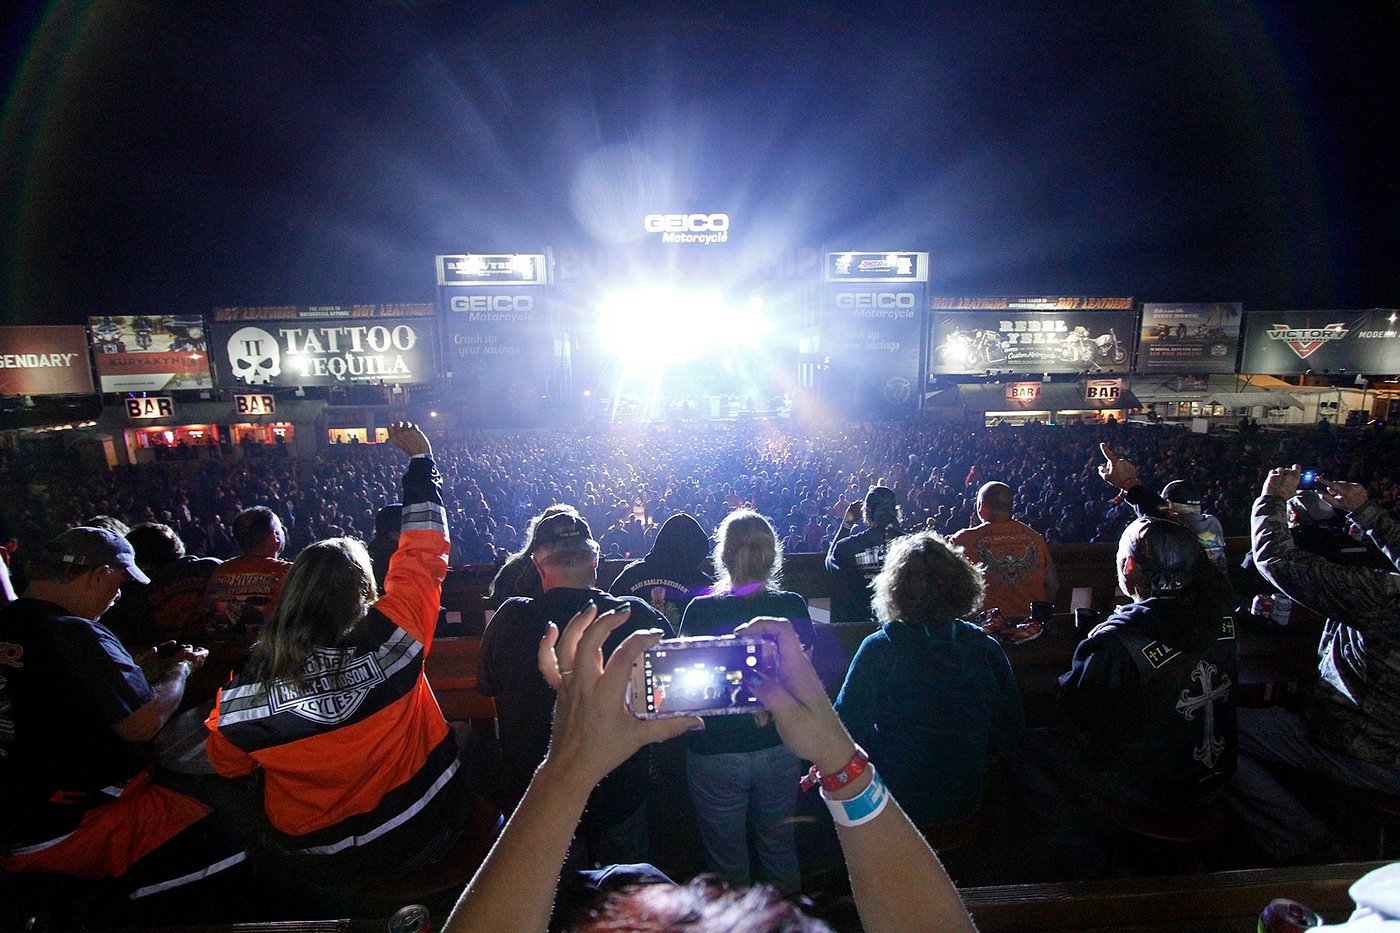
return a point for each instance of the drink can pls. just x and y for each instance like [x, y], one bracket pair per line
[1263, 605]
[1285, 916]
[1283, 609]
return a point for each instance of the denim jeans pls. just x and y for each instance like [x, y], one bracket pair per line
[735, 790]
[1277, 822]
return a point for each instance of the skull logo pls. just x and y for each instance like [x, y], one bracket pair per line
[254, 355]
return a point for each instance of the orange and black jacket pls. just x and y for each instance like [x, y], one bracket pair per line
[358, 747]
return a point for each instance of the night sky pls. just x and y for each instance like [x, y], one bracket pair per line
[175, 156]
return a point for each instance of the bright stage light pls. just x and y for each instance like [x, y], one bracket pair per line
[661, 325]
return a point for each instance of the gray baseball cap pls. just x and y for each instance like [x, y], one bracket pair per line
[94, 547]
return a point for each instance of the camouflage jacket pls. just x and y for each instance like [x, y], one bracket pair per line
[1355, 710]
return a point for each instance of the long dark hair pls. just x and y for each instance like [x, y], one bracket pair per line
[324, 598]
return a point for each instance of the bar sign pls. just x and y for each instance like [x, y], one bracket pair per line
[255, 404]
[155, 406]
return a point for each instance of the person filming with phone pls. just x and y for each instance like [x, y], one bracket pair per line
[1348, 733]
[896, 879]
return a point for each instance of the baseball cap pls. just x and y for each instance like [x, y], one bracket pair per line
[1182, 492]
[880, 496]
[561, 527]
[94, 547]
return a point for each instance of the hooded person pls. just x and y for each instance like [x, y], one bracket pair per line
[1183, 500]
[674, 572]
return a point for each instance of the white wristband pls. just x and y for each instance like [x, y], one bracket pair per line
[863, 807]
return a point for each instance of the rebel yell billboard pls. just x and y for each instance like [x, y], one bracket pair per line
[322, 351]
[36, 360]
[1291, 342]
[150, 352]
[1060, 341]
[1189, 338]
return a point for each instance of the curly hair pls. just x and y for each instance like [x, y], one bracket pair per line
[926, 581]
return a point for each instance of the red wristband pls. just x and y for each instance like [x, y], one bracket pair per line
[840, 778]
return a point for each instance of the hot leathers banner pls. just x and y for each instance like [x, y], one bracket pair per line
[872, 335]
[1284, 342]
[1031, 341]
[498, 349]
[322, 351]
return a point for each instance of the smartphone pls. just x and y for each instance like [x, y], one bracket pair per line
[707, 676]
[1310, 480]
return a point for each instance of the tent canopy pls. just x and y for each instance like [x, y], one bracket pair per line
[1252, 399]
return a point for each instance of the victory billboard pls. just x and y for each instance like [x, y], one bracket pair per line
[1189, 338]
[150, 352]
[967, 342]
[268, 348]
[37, 360]
[1293, 342]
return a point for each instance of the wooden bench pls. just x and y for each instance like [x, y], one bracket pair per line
[1202, 903]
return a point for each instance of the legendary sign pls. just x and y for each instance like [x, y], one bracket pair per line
[150, 352]
[1189, 338]
[323, 352]
[37, 360]
[1290, 342]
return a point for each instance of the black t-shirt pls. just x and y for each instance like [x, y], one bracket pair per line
[720, 615]
[855, 560]
[509, 671]
[64, 682]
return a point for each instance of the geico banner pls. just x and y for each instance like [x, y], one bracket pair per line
[873, 337]
[490, 325]
[1031, 341]
[323, 352]
[1189, 338]
[150, 352]
[44, 361]
[1284, 342]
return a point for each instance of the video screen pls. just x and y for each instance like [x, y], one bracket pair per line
[700, 677]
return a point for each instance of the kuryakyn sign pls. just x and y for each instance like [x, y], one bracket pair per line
[1031, 335]
[44, 361]
[1291, 342]
[283, 348]
[150, 352]
[1189, 338]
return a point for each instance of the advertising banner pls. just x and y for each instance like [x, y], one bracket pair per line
[44, 361]
[499, 346]
[877, 267]
[150, 352]
[872, 335]
[1292, 342]
[971, 342]
[1189, 338]
[492, 269]
[322, 351]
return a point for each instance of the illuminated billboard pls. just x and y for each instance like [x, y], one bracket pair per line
[1058, 336]
[38, 360]
[1293, 342]
[150, 352]
[1189, 338]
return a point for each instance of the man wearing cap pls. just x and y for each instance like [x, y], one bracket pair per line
[1349, 732]
[1015, 560]
[77, 716]
[614, 827]
[1180, 502]
[854, 559]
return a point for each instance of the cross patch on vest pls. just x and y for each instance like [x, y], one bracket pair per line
[1158, 653]
[333, 689]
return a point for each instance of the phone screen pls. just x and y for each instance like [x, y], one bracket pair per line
[1308, 480]
[702, 676]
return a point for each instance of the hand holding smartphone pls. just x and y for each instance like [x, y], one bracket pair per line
[706, 676]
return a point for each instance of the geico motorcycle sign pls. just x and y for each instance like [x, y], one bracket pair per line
[701, 229]
[323, 352]
[1286, 342]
